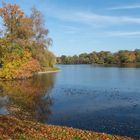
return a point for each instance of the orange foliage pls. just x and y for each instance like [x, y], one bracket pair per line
[27, 70]
[22, 48]
[16, 23]
[131, 57]
[18, 66]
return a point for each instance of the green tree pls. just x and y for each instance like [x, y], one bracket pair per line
[137, 53]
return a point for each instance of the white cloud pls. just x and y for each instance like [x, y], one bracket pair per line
[125, 7]
[121, 34]
[90, 18]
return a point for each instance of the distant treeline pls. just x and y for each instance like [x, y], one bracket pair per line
[103, 57]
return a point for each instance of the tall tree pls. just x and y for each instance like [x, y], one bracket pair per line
[18, 26]
[40, 32]
[23, 46]
[137, 53]
[41, 40]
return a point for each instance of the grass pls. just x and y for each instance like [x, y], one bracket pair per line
[15, 129]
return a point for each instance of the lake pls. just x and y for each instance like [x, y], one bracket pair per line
[91, 97]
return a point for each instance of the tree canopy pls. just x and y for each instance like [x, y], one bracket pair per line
[24, 43]
[103, 57]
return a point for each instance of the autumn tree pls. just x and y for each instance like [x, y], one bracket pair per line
[102, 57]
[17, 24]
[24, 44]
[40, 32]
[137, 53]
[41, 40]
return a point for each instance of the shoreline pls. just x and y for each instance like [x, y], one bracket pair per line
[15, 129]
[45, 72]
[125, 65]
[40, 72]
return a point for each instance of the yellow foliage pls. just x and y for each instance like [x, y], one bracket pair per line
[16, 67]
[22, 48]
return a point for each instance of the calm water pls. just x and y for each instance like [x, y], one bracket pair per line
[102, 99]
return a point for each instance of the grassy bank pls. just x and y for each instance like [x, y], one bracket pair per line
[14, 129]
[49, 70]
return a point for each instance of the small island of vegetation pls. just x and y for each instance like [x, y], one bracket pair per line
[24, 44]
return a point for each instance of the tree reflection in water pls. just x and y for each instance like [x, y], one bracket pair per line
[24, 99]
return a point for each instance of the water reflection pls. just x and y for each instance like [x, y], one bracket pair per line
[129, 65]
[102, 99]
[27, 99]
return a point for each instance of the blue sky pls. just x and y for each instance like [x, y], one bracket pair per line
[78, 26]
